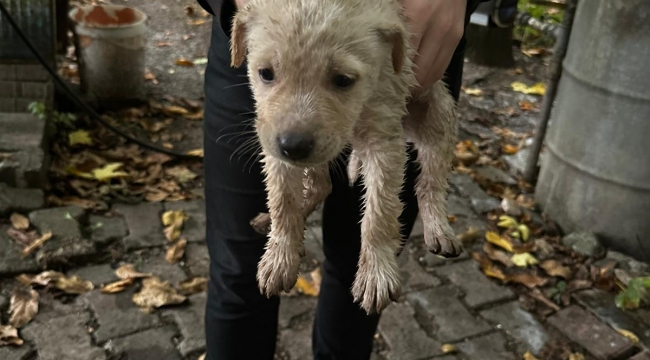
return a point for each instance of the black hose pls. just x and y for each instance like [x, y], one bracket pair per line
[93, 114]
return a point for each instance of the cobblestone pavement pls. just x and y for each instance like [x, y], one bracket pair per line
[444, 301]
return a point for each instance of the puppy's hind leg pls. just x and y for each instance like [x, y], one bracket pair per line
[278, 268]
[431, 125]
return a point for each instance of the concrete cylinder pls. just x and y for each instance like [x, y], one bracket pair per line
[110, 44]
[596, 173]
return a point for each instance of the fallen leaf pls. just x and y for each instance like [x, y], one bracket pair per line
[576, 356]
[127, 271]
[202, 357]
[175, 110]
[534, 52]
[181, 173]
[628, 334]
[149, 76]
[36, 244]
[524, 231]
[531, 281]
[105, 173]
[156, 293]
[201, 61]
[19, 222]
[449, 348]
[630, 297]
[536, 89]
[168, 145]
[196, 23]
[510, 149]
[73, 285]
[22, 237]
[488, 267]
[193, 286]
[507, 222]
[529, 356]
[499, 241]
[470, 235]
[23, 307]
[189, 10]
[526, 105]
[173, 220]
[555, 268]
[497, 255]
[524, 259]
[196, 116]
[164, 44]
[175, 252]
[452, 219]
[9, 336]
[305, 287]
[42, 279]
[117, 286]
[79, 137]
[196, 152]
[473, 92]
[184, 62]
[156, 196]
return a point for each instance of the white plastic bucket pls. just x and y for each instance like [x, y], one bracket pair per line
[110, 46]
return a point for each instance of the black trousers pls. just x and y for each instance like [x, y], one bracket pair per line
[240, 323]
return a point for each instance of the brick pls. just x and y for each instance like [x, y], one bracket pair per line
[8, 89]
[158, 266]
[495, 175]
[598, 339]
[51, 308]
[97, 274]
[16, 352]
[11, 261]
[144, 223]
[519, 324]
[197, 259]
[7, 105]
[487, 347]
[294, 307]
[116, 314]
[61, 221]
[104, 230]
[7, 72]
[154, 344]
[297, 341]
[479, 290]
[645, 355]
[405, 338]
[480, 200]
[191, 323]
[21, 131]
[63, 337]
[602, 304]
[414, 277]
[21, 200]
[452, 320]
[35, 90]
[194, 227]
[31, 72]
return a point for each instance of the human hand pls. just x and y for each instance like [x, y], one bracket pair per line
[437, 27]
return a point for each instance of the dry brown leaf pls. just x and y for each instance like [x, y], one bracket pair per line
[510, 149]
[73, 285]
[449, 348]
[23, 307]
[470, 235]
[531, 281]
[529, 356]
[127, 271]
[9, 336]
[195, 152]
[176, 251]
[196, 116]
[156, 293]
[149, 76]
[576, 356]
[555, 268]
[22, 237]
[117, 286]
[497, 255]
[36, 244]
[175, 110]
[202, 357]
[193, 286]
[526, 105]
[181, 173]
[156, 195]
[196, 23]
[488, 267]
[19, 222]
[42, 279]
[184, 62]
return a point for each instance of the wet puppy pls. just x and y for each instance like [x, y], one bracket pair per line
[326, 75]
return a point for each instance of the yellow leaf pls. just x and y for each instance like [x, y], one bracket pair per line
[79, 137]
[507, 222]
[127, 271]
[537, 89]
[628, 334]
[523, 260]
[449, 348]
[74, 285]
[19, 222]
[175, 252]
[36, 244]
[474, 92]
[510, 149]
[109, 171]
[529, 356]
[117, 286]
[525, 232]
[9, 336]
[497, 240]
[173, 220]
[576, 356]
[195, 152]
[306, 287]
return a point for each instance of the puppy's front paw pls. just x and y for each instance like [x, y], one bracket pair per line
[262, 223]
[440, 240]
[377, 282]
[278, 270]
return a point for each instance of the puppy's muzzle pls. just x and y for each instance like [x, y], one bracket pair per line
[295, 146]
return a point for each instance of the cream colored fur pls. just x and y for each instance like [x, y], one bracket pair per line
[306, 43]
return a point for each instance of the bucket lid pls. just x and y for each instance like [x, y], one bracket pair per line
[107, 16]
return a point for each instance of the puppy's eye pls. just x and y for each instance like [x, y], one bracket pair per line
[266, 75]
[342, 81]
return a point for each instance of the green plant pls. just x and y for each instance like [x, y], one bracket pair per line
[531, 37]
[65, 120]
[635, 292]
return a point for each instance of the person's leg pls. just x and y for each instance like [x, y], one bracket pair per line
[342, 330]
[240, 323]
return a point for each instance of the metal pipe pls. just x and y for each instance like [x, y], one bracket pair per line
[561, 45]
[525, 19]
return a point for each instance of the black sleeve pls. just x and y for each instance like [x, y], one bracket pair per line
[210, 5]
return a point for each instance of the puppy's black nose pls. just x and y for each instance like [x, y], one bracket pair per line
[295, 146]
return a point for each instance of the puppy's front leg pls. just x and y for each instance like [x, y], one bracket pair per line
[383, 155]
[278, 268]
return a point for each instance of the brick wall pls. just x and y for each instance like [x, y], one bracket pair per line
[21, 84]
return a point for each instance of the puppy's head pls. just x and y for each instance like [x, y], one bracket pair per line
[312, 66]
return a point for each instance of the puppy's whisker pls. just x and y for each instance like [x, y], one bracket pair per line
[235, 85]
[243, 147]
[234, 135]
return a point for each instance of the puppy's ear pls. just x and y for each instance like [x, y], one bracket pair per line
[238, 36]
[395, 36]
